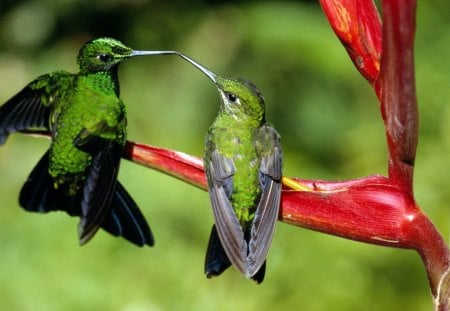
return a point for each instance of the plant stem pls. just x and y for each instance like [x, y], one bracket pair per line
[396, 91]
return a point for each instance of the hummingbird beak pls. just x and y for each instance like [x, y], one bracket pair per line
[211, 75]
[203, 69]
[143, 53]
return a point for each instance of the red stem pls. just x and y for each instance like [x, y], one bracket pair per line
[177, 164]
[433, 250]
[369, 209]
[395, 88]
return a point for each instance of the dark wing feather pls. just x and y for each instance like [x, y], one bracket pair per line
[126, 220]
[30, 108]
[263, 226]
[34, 195]
[266, 215]
[38, 194]
[271, 160]
[23, 111]
[99, 186]
[219, 171]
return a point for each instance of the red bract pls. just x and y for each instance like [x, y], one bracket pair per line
[374, 209]
[357, 25]
[395, 88]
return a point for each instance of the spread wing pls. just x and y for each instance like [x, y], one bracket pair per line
[266, 215]
[30, 108]
[219, 171]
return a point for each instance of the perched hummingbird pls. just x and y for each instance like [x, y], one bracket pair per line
[243, 161]
[87, 122]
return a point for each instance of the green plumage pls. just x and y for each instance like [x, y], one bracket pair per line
[243, 160]
[87, 122]
[243, 165]
[233, 135]
[91, 107]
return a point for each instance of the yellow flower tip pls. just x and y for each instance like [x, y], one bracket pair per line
[295, 185]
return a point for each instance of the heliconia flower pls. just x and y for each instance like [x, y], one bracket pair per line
[373, 209]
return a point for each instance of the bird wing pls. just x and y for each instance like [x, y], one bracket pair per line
[30, 108]
[38, 194]
[219, 171]
[100, 183]
[263, 225]
[125, 219]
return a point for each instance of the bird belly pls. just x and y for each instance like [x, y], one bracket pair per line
[246, 191]
[67, 165]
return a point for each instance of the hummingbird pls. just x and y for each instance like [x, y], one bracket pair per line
[87, 123]
[243, 164]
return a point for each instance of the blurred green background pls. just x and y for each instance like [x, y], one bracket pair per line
[331, 129]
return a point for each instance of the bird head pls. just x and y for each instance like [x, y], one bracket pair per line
[105, 54]
[239, 97]
[102, 54]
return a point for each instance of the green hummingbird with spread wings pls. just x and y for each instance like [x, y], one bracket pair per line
[243, 164]
[87, 122]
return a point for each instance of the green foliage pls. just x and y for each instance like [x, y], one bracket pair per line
[325, 112]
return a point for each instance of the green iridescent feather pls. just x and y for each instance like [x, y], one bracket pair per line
[87, 122]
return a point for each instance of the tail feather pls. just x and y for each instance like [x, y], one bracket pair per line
[126, 220]
[216, 260]
[39, 195]
[259, 276]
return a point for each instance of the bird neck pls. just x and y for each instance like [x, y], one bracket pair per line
[106, 81]
[239, 120]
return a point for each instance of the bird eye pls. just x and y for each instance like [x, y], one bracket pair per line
[104, 57]
[231, 97]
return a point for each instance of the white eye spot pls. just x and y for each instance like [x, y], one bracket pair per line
[232, 98]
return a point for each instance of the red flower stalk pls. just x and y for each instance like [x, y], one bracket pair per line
[372, 209]
[395, 88]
